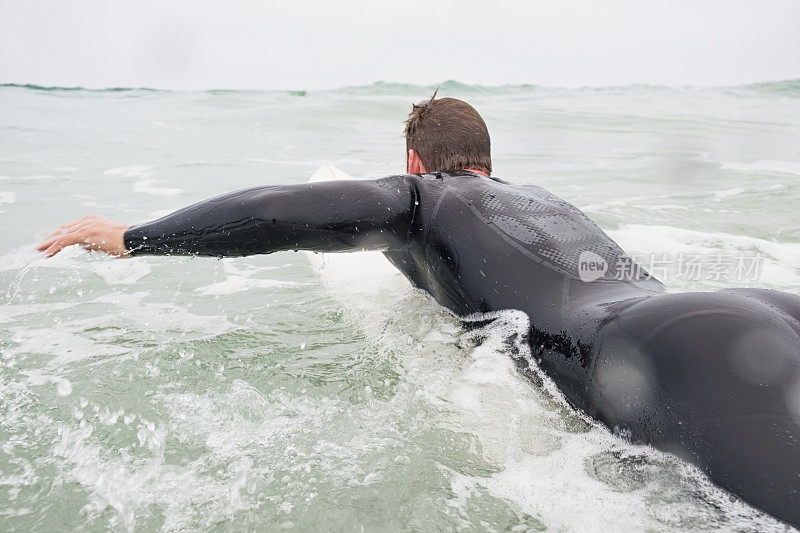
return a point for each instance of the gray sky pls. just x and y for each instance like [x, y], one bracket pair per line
[198, 44]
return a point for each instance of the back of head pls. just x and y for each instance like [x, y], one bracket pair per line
[448, 134]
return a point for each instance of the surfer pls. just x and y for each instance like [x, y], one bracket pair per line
[713, 377]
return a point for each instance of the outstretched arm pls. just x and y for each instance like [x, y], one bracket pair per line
[333, 216]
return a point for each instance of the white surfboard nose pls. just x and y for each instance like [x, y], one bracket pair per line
[358, 276]
[328, 172]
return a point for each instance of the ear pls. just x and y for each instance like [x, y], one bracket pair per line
[414, 163]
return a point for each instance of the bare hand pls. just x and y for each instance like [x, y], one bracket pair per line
[93, 233]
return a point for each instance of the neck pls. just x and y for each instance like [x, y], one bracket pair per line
[476, 171]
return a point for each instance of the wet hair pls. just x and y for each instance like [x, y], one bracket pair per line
[448, 134]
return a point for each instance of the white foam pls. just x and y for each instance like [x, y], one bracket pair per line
[667, 207]
[146, 186]
[281, 162]
[7, 197]
[118, 271]
[779, 261]
[159, 213]
[160, 317]
[617, 202]
[20, 309]
[766, 165]
[61, 344]
[132, 171]
[236, 284]
[35, 177]
[721, 195]
[239, 277]
[167, 126]
[550, 486]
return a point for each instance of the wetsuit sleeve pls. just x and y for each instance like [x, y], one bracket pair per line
[334, 216]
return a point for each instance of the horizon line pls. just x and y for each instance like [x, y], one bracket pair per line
[395, 84]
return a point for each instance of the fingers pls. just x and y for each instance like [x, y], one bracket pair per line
[54, 237]
[61, 243]
[77, 228]
[45, 244]
[63, 230]
[77, 237]
[51, 238]
[92, 232]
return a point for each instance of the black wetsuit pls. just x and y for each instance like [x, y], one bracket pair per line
[713, 377]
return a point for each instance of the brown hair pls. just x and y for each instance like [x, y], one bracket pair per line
[448, 134]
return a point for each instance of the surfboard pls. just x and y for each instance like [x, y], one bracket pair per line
[361, 278]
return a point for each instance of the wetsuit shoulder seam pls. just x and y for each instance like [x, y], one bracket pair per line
[433, 214]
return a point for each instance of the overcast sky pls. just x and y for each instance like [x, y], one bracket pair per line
[286, 44]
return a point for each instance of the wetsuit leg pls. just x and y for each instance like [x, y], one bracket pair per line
[715, 379]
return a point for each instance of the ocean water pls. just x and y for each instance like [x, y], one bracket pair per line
[278, 392]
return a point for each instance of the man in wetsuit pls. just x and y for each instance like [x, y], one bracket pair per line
[711, 377]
